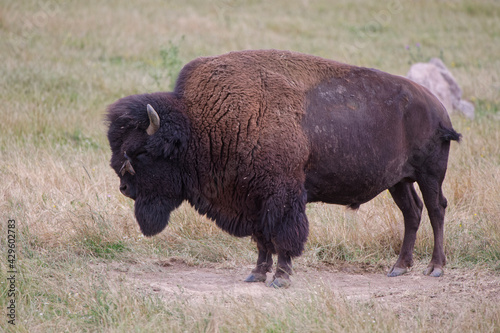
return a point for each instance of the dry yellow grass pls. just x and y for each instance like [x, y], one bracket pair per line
[63, 62]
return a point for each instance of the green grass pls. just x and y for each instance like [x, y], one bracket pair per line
[63, 62]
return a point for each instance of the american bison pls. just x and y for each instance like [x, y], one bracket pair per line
[248, 138]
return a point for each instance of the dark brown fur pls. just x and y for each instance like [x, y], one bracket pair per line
[250, 137]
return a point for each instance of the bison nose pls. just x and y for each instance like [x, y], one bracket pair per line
[123, 189]
[128, 190]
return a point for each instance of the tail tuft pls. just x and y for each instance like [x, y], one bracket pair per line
[449, 134]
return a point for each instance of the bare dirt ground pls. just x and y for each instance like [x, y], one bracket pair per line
[173, 277]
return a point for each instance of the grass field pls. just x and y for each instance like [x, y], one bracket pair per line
[62, 62]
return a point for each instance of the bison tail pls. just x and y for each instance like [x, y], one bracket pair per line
[449, 134]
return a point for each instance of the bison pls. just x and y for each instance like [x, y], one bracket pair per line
[248, 138]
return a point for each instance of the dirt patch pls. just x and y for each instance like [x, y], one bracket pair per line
[174, 278]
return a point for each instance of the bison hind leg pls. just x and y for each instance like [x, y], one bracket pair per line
[436, 204]
[406, 198]
[430, 180]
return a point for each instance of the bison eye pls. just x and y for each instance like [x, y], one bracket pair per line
[141, 155]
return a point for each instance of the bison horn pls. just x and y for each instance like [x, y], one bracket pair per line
[154, 120]
[127, 167]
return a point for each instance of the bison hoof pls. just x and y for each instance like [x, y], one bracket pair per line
[397, 271]
[256, 277]
[433, 271]
[280, 283]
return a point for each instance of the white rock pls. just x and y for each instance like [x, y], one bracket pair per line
[438, 79]
[467, 108]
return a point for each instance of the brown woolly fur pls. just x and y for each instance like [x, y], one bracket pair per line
[248, 138]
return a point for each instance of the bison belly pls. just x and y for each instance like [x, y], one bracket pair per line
[357, 141]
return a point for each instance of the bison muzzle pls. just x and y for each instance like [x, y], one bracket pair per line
[248, 138]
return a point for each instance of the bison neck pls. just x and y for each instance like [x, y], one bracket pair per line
[226, 218]
[222, 205]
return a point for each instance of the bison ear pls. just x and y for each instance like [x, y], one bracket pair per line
[174, 144]
[154, 120]
[173, 135]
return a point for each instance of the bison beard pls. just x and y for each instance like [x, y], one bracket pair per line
[249, 138]
[153, 213]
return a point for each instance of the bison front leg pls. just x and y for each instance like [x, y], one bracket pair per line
[264, 264]
[287, 230]
[281, 278]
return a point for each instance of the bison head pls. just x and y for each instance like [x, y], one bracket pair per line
[148, 136]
